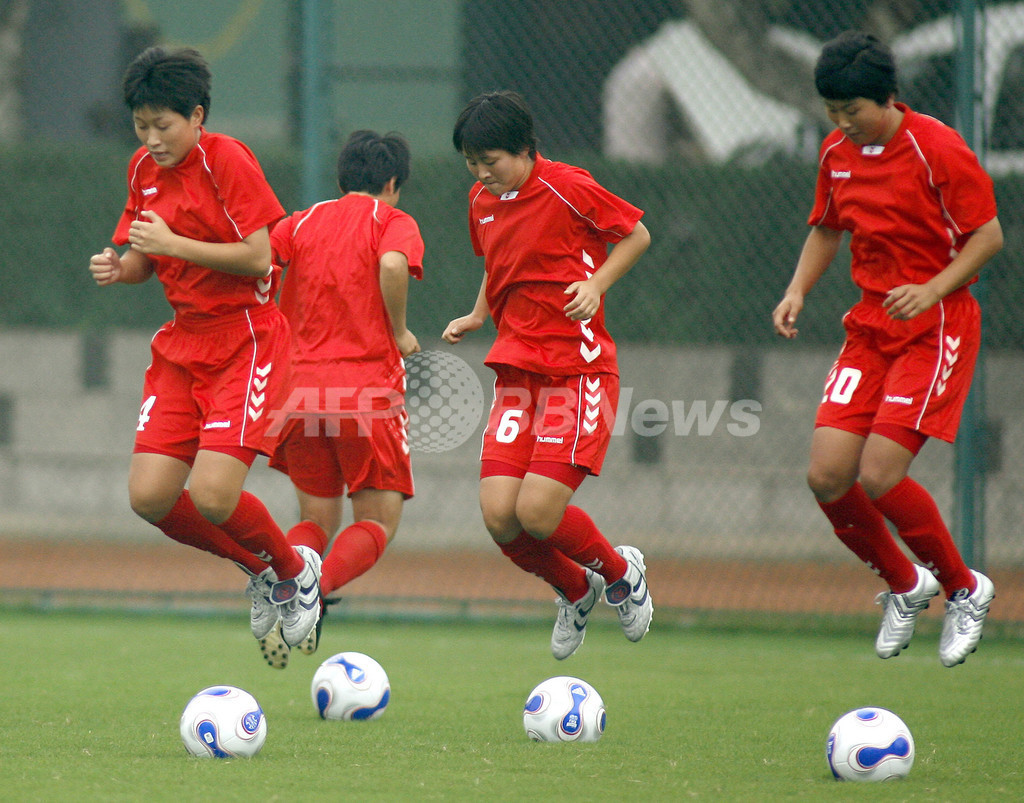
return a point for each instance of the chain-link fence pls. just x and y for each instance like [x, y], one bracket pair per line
[701, 112]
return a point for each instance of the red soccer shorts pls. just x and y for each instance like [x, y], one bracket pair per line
[210, 386]
[553, 419]
[322, 457]
[912, 374]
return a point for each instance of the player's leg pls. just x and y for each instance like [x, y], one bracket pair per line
[934, 371]
[216, 486]
[832, 476]
[156, 493]
[904, 502]
[153, 481]
[361, 544]
[498, 494]
[372, 457]
[577, 588]
[854, 390]
[577, 418]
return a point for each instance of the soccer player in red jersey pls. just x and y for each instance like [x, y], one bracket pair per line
[921, 212]
[347, 264]
[544, 229]
[198, 215]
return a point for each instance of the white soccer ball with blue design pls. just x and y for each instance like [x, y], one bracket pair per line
[564, 709]
[350, 686]
[223, 722]
[870, 744]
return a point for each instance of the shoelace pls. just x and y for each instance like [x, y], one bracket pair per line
[962, 618]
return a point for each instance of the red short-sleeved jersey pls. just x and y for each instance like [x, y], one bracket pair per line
[909, 204]
[341, 332]
[216, 194]
[537, 240]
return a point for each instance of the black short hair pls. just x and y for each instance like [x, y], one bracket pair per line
[856, 65]
[495, 121]
[178, 80]
[370, 160]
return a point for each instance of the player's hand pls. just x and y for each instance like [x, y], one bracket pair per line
[106, 267]
[457, 329]
[407, 343]
[909, 300]
[152, 235]
[585, 303]
[785, 315]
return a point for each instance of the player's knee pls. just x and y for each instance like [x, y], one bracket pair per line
[879, 480]
[500, 523]
[149, 505]
[214, 503]
[827, 483]
[539, 520]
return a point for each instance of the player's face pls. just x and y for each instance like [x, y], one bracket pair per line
[864, 121]
[499, 170]
[167, 135]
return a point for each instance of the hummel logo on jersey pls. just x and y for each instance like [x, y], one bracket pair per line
[487, 219]
[508, 196]
[218, 425]
[840, 174]
[900, 399]
[149, 191]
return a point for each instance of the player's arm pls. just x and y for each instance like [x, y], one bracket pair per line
[819, 250]
[457, 329]
[109, 267]
[586, 295]
[910, 300]
[394, 286]
[250, 257]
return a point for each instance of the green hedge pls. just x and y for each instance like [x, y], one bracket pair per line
[724, 243]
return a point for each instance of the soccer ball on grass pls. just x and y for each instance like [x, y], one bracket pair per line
[350, 686]
[564, 709]
[223, 722]
[870, 744]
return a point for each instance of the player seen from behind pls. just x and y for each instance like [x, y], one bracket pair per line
[347, 265]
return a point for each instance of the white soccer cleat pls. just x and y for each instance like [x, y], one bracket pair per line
[900, 611]
[965, 616]
[274, 648]
[298, 599]
[630, 595]
[264, 613]
[571, 621]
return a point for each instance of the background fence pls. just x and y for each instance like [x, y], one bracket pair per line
[701, 112]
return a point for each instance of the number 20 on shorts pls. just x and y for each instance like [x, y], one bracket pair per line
[840, 385]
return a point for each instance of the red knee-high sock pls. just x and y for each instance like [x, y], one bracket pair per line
[861, 527]
[308, 533]
[252, 527]
[918, 521]
[187, 526]
[578, 538]
[353, 552]
[549, 564]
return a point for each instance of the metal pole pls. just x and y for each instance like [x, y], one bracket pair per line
[312, 111]
[969, 459]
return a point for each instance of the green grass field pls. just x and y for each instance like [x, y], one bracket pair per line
[89, 707]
